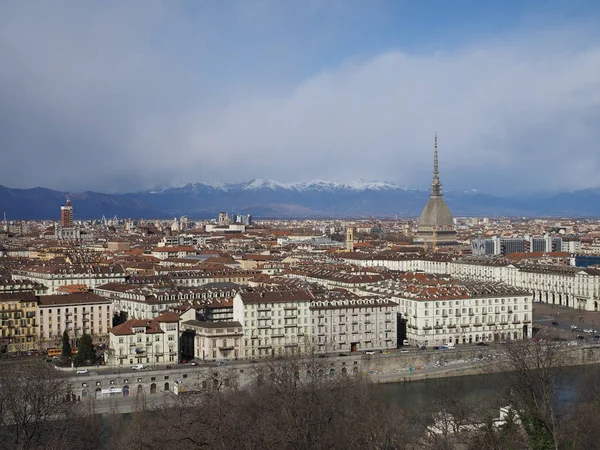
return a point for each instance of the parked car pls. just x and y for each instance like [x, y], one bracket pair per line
[483, 344]
[82, 371]
[221, 363]
[138, 367]
[343, 354]
[404, 351]
[369, 352]
[555, 323]
[169, 366]
[422, 347]
[580, 337]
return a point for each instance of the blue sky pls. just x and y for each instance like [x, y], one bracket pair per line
[125, 95]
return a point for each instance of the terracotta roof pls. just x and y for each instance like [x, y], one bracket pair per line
[167, 317]
[126, 328]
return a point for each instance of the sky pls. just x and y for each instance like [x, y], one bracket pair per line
[120, 96]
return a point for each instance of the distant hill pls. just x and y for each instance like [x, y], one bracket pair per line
[267, 198]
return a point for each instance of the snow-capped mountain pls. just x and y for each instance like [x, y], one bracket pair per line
[268, 198]
[262, 184]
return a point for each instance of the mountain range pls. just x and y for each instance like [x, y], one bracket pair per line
[272, 199]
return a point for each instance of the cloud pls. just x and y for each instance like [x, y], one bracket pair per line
[127, 96]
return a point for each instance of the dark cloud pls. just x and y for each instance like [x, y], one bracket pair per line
[123, 96]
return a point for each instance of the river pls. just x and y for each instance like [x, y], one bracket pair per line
[484, 389]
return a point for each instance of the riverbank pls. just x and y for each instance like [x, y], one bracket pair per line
[491, 363]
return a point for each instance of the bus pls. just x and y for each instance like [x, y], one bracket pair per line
[58, 351]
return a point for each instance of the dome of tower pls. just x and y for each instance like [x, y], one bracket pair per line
[436, 214]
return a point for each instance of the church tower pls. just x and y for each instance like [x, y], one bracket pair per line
[436, 225]
[349, 239]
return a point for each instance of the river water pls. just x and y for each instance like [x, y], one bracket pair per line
[482, 389]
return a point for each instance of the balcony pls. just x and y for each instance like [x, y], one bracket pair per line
[444, 315]
[226, 348]
[477, 324]
[503, 323]
[471, 314]
[516, 322]
[465, 325]
[438, 327]
[427, 328]
[451, 326]
[458, 315]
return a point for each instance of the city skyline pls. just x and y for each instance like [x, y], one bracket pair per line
[125, 97]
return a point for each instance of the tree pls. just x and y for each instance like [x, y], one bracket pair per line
[531, 369]
[294, 404]
[66, 345]
[85, 352]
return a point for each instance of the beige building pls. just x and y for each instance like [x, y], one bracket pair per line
[215, 341]
[275, 322]
[154, 341]
[77, 313]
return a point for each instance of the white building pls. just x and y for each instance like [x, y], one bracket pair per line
[54, 277]
[153, 341]
[439, 309]
[575, 287]
[77, 313]
[275, 322]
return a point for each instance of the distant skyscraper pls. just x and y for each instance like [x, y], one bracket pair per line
[436, 226]
[66, 214]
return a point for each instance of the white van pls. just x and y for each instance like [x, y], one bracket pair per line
[138, 367]
[450, 345]
[405, 343]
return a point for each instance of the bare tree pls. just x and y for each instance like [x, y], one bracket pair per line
[296, 403]
[533, 387]
[36, 411]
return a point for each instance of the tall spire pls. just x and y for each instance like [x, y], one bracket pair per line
[436, 186]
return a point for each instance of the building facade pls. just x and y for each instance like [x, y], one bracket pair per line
[211, 341]
[353, 324]
[275, 322]
[18, 322]
[153, 341]
[77, 313]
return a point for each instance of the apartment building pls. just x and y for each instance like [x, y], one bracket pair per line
[53, 277]
[439, 309]
[77, 313]
[353, 324]
[154, 341]
[18, 321]
[275, 322]
[332, 279]
[576, 287]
